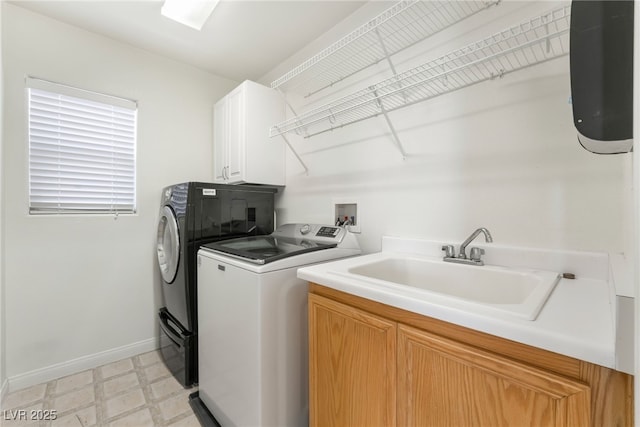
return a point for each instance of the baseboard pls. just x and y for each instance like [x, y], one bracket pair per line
[4, 390]
[80, 364]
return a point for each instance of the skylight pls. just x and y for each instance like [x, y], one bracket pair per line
[192, 13]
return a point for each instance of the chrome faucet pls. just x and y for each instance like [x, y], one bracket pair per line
[475, 255]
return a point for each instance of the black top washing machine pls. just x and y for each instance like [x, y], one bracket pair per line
[193, 214]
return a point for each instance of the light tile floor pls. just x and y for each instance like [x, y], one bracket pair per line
[136, 392]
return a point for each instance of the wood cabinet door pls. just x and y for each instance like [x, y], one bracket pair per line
[352, 365]
[446, 383]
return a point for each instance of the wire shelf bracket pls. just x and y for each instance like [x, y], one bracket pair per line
[535, 41]
[401, 26]
[293, 150]
[295, 153]
[394, 134]
[396, 140]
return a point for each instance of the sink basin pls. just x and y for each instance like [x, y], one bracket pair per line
[518, 292]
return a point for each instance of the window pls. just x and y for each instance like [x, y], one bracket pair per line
[82, 150]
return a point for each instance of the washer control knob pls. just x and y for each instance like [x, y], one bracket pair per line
[305, 229]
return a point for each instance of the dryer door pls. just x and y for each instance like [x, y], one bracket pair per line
[168, 244]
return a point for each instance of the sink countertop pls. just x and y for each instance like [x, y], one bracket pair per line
[578, 319]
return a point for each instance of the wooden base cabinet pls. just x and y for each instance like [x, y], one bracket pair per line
[376, 365]
[445, 383]
[352, 363]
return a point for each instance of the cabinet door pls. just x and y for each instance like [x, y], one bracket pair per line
[236, 140]
[445, 383]
[220, 140]
[352, 366]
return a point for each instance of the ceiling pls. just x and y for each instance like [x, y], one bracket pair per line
[243, 39]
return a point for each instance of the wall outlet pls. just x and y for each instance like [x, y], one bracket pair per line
[345, 213]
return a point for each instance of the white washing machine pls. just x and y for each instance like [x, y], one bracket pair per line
[252, 315]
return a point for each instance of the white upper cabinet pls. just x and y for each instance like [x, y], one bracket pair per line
[242, 149]
[220, 140]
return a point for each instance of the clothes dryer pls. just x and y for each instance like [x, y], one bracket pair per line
[193, 214]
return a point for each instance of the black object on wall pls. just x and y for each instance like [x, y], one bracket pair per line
[601, 56]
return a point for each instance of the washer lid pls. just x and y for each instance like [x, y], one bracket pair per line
[168, 244]
[265, 249]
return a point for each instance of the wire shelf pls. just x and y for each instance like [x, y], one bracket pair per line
[532, 42]
[394, 30]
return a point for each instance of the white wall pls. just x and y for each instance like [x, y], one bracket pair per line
[78, 286]
[501, 154]
[3, 370]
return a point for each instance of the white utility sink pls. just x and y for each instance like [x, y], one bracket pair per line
[486, 289]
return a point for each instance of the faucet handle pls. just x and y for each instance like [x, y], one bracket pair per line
[449, 251]
[476, 254]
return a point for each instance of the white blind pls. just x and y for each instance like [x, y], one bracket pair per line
[82, 150]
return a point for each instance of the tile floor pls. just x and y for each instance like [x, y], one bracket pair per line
[136, 392]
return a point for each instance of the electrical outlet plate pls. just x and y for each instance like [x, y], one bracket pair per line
[347, 210]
